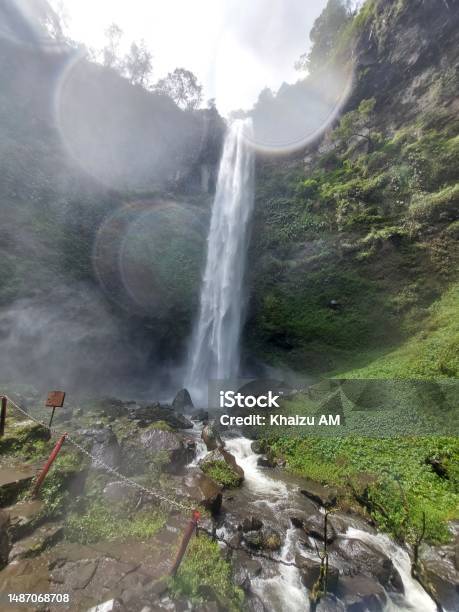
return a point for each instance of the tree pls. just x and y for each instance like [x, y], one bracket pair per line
[325, 33]
[113, 36]
[183, 87]
[138, 63]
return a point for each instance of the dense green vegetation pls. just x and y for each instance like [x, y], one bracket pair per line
[204, 574]
[355, 259]
[389, 476]
[357, 230]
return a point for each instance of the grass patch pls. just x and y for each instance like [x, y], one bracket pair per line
[431, 353]
[221, 472]
[205, 575]
[99, 522]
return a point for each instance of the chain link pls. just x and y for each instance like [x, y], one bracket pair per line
[153, 493]
[96, 461]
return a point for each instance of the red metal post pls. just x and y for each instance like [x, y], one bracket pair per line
[48, 464]
[2, 415]
[192, 525]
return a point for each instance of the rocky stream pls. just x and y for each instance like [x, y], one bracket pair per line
[268, 521]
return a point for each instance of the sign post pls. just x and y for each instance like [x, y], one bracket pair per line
[55, 400]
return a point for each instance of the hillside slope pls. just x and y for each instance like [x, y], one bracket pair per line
[356, 238]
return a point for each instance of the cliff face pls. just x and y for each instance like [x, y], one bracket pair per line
[356, 238]
[405, 54]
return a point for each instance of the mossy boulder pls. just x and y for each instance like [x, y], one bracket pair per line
[220, 465]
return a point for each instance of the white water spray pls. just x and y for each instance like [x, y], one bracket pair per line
[214, 350]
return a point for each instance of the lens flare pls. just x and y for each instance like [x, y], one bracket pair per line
[123, 135]
[148, 256]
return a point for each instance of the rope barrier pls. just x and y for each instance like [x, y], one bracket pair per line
[97, 461]
[193, 525]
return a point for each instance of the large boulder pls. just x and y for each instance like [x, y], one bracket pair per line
[5, 544]
[167, 444]
[360, 594]
[105, 448]
[218, 457]
[310, 572]
[182, 401]
[357, 557]
[440, 570]
[25, 516]
[152, 413]
[211, 437]
[204, 490]
[263, 539]
[244, 569]
[34, 544]
[322, 495]
[313, 525]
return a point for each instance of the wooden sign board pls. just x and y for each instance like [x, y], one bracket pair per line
[55, 399]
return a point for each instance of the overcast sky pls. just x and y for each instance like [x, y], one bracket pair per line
[235, 47]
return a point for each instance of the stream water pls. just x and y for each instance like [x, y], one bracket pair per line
[214, 350]
[276, 496]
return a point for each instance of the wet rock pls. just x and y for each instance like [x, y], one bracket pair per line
[254, 539]
[157, 441]
[313, 525]
[5, 544]
[211, 437]
[259, 447]
[252, 523]
[33, 545]
[182, 401]
[359, 558]
[297, 521]
[266, 461]
[322, 495]
[330, 603]
[310, 572]
[341, 522]
[13, 481]
[266, 539]
[244, 569]
[439, 567]
[105, 448]
[360, 594]
[152, 413]
[204, 490]
[25, 516]
[254, 603]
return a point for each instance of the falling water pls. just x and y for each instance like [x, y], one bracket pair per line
[214, 350]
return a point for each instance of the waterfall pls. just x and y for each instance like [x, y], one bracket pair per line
[214, 350]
